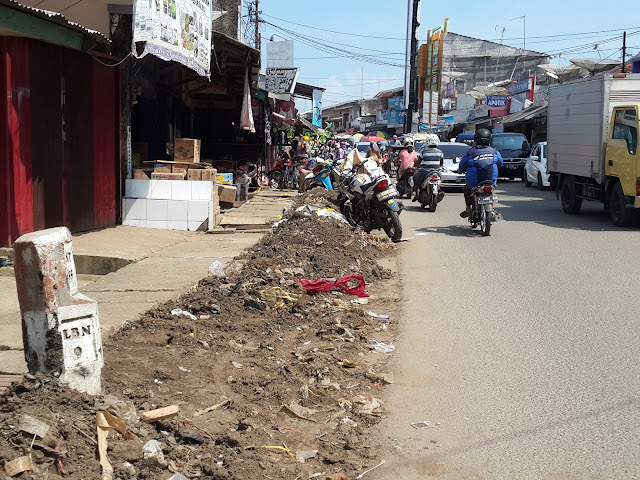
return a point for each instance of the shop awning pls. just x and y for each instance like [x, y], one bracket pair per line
[524, 115]
[305, 90]
[20, 20]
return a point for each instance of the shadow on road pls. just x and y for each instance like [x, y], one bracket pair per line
[518, 203]
[453, 231]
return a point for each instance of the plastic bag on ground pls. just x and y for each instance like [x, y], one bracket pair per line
[327, 284]
[216, 269]
[178, 312]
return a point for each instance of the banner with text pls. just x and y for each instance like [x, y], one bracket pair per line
[178, 30]
[281, 80]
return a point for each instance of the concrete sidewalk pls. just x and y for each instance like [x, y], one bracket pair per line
[159, 265]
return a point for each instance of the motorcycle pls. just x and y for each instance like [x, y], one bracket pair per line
[405, 184]
[482, 212]
[320, 176]
[430, 193]
[369, 201]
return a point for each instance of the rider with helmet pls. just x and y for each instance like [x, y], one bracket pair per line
[480, 163]
[407, 157]
[432, 158]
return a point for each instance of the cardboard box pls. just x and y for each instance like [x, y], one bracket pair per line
[180, 170]
[162, 168]
[140, 174]
[167, 176]
[209, 174]
[224, 178]
[194, 174]
[226, 194]
[187, 150]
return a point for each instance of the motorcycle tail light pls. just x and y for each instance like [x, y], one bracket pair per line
[382, 184]
[488, 189]
[434, 177]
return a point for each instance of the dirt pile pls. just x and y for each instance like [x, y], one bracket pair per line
[271, 382]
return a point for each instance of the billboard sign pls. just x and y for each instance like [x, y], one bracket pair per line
[519, 87]
[178, 30]
[396, 108]
[317, 108]
[281, 80]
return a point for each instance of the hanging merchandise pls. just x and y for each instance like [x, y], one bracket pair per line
[246, 117]
[178, 30]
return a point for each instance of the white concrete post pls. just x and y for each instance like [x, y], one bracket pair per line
[60, 327]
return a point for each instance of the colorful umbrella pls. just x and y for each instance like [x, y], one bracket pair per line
[357, 135]
[378, 134]
[373, 139]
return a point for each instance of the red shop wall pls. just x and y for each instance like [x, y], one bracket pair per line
[16, 206]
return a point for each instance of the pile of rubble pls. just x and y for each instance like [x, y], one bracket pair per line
[245, 376]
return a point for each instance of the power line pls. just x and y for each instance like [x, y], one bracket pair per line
[492, 39]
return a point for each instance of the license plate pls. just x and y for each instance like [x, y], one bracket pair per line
[486, 200]
[387, 194]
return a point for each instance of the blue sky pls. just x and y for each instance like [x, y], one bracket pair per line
[378, 18]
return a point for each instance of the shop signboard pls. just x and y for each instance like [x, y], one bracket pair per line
[281, 80]
[478, 112]
[451, 89]
[317, 108]
[497, 102]
[517, 102]
[396, 106]
[178, 30]
[519, 87]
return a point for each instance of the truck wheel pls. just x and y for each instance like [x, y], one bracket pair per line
[620, 214]
[570, 202]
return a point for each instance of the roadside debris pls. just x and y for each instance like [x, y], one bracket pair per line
[425, 424]
[370, 470]
[160, 413]
[178, 312]
[216, 269]
[328, 284]
[383, 347]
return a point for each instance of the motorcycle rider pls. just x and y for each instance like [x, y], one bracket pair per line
[431, 159]
[480, 163]
[407, 157]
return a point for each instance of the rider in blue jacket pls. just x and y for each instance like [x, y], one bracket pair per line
[480, 163]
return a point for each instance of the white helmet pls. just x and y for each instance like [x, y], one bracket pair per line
[432, 140]
[408, 143]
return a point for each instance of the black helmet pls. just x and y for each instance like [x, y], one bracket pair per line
[482, 137]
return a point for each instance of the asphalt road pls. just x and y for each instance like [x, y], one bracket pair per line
[524, 345]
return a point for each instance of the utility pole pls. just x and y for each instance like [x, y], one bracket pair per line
[257, 25]
[412, 84]
[362, 84]
[624, 51]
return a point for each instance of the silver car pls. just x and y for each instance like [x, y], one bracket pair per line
[453, 153]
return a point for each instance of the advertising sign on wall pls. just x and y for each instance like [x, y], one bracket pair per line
[281, 80]
[519, 87]
[395, 117]
[178, 30]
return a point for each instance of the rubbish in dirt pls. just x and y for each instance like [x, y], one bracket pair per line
[380, 316]
[204, 344]
[253, 303]
[152, 450]
[129, 469]
[347, 363]
[370, 470]
[19, 465]
[304, 455]
[237, 364]
[425, 424]
[182, 369]
[336, 478]
[329, 213]
[224, 403]
[205, 317]
[328, 284]
[216, 269]
[381, 377]
[193, 438]
[160, 413]
[306, 210]
[298, 411]
[383, 347]
[105, 422]
[279, 222]
[215, 308]
[220, 461]
[179, 312]
[275, 296]
[368, 405]
[177, 476]
[33, 426]
[282, 448]
[360, 301]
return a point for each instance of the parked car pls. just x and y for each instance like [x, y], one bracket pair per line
[466, 138]
[515, 150]
[535, 170]
[453, 153]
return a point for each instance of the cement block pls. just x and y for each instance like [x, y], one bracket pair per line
[157, 210]
[180, 190]
[198, 211]
[134, 188]
[202, 190]
[177, 210]
[160, 189]
[134, 209]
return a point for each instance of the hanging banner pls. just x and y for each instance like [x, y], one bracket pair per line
[317, 108]
[497, 102]
[281, 80]
[178, 30]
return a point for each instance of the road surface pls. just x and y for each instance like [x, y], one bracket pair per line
[524, 345]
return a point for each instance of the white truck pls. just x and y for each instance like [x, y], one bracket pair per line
[593, 144]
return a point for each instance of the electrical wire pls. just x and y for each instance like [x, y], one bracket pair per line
[72, 5]
[110, 64]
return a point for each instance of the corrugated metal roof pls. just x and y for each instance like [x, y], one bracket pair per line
[55, 17]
